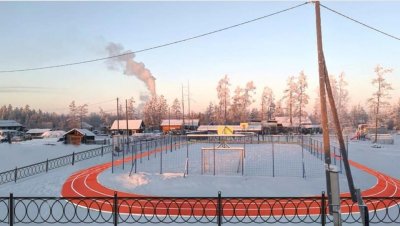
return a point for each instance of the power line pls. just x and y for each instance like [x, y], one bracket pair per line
[361, 23]
[157, 46]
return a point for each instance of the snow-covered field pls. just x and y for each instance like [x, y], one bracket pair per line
[171, 183]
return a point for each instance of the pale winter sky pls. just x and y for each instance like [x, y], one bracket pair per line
[37, 34]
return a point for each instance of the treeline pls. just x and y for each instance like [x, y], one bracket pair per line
[31, 118]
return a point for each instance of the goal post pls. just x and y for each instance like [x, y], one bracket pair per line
[222, 160]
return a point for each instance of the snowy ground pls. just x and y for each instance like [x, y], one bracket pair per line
[385, 159]
[37, 150]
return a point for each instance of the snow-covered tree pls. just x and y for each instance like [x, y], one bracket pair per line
[237, 104]
[155, 110]
[301, 97]
[223, 91]
[289, 96]
[378, 100]
[104, 117]
[242, 100]
[343, 99]
[254, 114]
[210, 114]
[267, 102]
[395, 115]
[279, 109]
[131, 108]
[82, 112]
[73, 115]
[358, 115]
[176, 109]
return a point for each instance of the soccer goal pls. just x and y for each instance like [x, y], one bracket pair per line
[222, 160]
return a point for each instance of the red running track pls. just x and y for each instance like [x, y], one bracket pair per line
[84, 183]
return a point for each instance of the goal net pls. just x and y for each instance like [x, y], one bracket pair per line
[222, 161]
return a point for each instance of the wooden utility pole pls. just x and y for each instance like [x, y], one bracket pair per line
[324, 112]
[322, 78]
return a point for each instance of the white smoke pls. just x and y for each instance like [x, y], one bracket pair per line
[130, 66]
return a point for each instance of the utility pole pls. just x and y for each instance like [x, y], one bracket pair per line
[324, 112]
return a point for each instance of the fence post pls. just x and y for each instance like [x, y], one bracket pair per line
[47, 165]
[112, 161]
[15, 174]
[273, 158]
[161, 162]
[73, 158]
[11, 210]
[323, 209]
[115, 209]
[366, 216]
[219, 209]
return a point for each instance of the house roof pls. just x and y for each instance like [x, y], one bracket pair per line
[34, 131]
[84, 132]
[132, 124]
[9, 123]
[234, 127]
[179, 122]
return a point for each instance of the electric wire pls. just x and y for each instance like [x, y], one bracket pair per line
[361, 23]
[157, 46]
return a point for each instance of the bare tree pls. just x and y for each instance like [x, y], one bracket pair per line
[377, 101]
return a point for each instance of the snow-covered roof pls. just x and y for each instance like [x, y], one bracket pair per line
[36, 131]
[234, 127]
[53, 134]
[179, 122]
[9, 123]
[84, 132]
[285, 121]
[132, 124]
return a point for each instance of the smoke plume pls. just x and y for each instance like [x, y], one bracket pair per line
[130, 66]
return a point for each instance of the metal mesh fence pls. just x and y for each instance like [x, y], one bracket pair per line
[275, 156]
